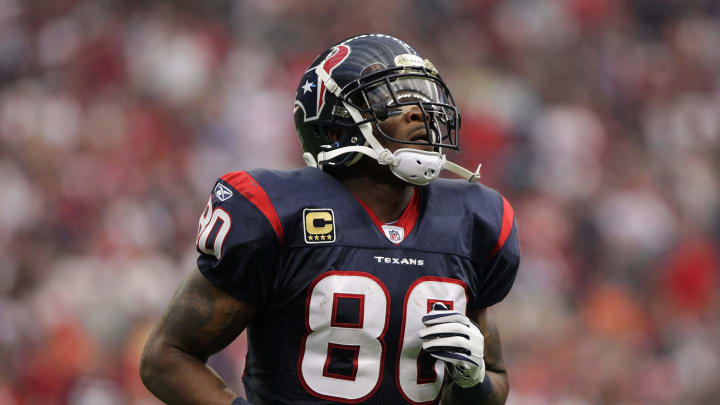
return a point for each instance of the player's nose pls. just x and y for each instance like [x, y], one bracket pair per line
[416, 114]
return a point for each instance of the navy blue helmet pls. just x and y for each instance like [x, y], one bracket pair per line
[364, 80]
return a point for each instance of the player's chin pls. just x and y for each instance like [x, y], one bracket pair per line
[423, 146]
[417, 146]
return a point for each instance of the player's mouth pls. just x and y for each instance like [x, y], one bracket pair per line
[420, 136]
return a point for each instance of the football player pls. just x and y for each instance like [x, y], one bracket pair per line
[362, 278]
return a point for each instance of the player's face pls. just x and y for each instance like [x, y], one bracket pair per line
[407, 124]
[397, 108]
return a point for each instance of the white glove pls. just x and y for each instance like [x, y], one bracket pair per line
[451, 337]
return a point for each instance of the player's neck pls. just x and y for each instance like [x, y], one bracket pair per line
[387, 201]
[386, 195]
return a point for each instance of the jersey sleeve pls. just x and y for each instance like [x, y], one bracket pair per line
[239, 239]
[500, 264]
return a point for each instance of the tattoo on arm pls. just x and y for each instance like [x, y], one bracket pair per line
[202, 319]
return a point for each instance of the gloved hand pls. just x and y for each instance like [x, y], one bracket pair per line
[451, 337]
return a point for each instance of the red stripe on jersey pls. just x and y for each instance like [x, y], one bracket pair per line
[407, 220]
[246, 185]
[507, 224]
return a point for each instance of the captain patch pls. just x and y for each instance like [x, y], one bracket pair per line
[319, 225]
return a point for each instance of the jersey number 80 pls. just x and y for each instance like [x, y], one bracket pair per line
[342, 359]
[213, 228]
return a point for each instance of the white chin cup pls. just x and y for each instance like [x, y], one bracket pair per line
[417, 166]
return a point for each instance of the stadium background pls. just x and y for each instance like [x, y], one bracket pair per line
[598, 119]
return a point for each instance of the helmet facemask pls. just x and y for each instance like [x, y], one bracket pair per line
[389, 92]
[374, 98]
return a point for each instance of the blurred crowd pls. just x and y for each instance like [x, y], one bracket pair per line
[599, 120]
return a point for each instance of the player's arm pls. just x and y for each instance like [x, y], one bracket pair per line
[470, 345]
[494, 388]
[200, 320]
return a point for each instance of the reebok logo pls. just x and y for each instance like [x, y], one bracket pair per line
[222, 192]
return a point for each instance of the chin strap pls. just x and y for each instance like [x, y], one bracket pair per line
[472, 177]
[412, 165]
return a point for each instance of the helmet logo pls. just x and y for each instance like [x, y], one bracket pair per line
[334, 58]
[307, 86]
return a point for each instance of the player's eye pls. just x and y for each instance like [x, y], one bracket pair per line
[383, 113]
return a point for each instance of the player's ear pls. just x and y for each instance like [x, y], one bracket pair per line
[334, 132]
[338, 133]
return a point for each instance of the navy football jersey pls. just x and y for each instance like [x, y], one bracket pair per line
[341, 295]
